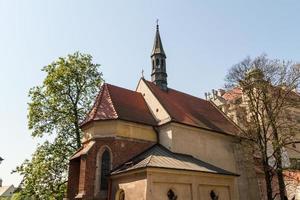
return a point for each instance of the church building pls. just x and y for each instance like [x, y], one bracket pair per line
[157, 143]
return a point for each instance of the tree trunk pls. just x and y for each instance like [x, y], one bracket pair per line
[279, 173]
[269, 187]
[77, 129]
[281, 183]
[268, 179]
[277, 150]
[279, 169]
[77, 135]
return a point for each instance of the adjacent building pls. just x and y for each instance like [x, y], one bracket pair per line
[233, 103]
[6, 191]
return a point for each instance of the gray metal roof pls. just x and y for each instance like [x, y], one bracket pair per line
[160, 157]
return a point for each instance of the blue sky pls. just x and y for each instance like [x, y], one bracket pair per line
[202, 40]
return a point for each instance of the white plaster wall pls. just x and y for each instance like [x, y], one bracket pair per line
[159, 113]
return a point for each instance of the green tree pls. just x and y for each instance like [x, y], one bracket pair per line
[56, 108]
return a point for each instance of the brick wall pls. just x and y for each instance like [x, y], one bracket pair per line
[122, 150]
[73, 179]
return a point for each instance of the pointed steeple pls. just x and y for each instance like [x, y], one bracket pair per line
[158, 47]
[158, 57]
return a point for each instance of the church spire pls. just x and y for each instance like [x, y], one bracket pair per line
[157, 47]
[158, 57]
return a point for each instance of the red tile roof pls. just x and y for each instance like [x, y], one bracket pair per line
[190, 110]
[119, 103]
[233, 94]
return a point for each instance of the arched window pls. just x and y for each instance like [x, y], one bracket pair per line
[105, 169]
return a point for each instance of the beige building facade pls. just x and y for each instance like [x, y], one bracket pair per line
[233, 103]
[155, 183]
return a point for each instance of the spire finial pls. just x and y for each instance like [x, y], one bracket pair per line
[157, 26]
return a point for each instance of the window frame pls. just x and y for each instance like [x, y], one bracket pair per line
[97, 189]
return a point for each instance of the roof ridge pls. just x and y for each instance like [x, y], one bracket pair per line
[134, 157]
[176, 153]
[112, 102]
[149, 160]
[123, 88]
[95, 105]
[170, 160]
[185, 93]
[178, 107]
[97, 102]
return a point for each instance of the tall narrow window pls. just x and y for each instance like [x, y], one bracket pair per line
[157, 62]
[153, 65]
[105, 168]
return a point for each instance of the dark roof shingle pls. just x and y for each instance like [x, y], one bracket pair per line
[160, 157]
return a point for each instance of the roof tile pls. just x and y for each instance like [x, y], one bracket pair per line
[190, 110]
[233, 94]
[119, 103]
